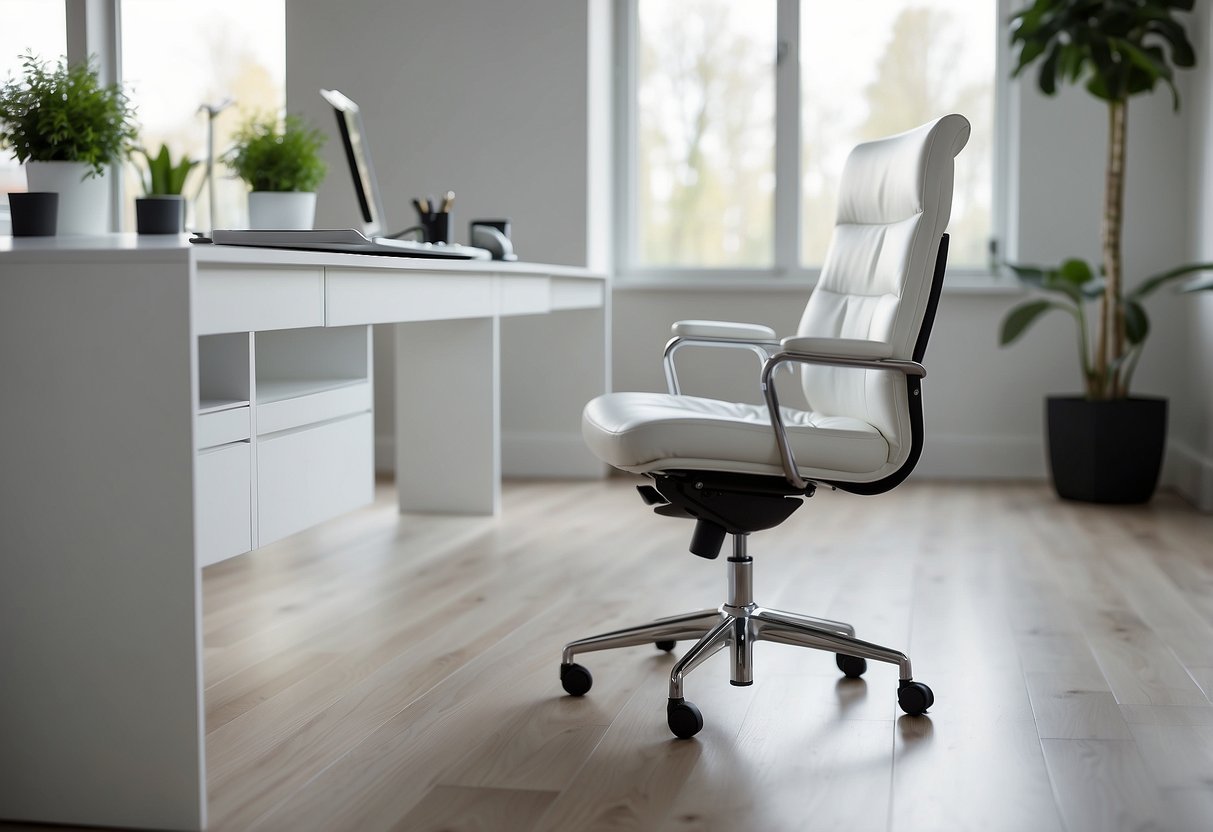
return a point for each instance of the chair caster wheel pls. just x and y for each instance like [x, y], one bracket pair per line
[914, 697]
[851, 666]
[667, 646]
[684, 718]
[575, 679]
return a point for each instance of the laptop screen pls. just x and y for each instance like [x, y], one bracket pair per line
[358, 155]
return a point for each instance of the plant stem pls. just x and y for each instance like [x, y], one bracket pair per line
[1112, 319]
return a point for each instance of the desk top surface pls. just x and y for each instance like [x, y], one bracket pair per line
[116, 248]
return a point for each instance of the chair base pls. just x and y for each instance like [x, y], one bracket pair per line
[738, 624]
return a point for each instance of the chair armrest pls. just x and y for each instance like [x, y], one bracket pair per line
[757, 338]
[850, 347]
[722, 329]
[836, 357]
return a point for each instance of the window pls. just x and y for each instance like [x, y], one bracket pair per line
[720, 122]
[235, 51]
[43, 32]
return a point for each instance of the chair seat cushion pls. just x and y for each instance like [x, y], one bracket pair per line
[643, 432]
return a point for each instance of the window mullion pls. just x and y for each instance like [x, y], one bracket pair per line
[787, 137]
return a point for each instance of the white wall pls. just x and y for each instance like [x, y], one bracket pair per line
[492, 100]
[1194, 445]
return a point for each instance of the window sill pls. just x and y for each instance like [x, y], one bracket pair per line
[970, 283]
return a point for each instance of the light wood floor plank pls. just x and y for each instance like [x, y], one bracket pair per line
[383, 672]
[475, 809]
[1103, 786]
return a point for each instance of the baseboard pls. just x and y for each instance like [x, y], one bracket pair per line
[530, 455]
[1190, 473]
[962, 457]
[524, 455]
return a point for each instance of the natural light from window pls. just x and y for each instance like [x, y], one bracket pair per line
[43, 31]
[175, 59]
[705, 133]
[876, 68]
[703, 123]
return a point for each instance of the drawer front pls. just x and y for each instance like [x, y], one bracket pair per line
[223, 500]
[315, 407]
[366, 297]
[243, 300]
[222, 427]
[577, 294]
[309, 475]
[524, 295]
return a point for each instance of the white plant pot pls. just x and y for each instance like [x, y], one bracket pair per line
[283, 210]
[84, 203]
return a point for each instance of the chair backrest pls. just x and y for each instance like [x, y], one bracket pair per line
[893, 206]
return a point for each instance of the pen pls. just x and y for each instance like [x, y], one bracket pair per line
[448, 202]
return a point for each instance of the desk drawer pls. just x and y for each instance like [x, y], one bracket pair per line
[223, 500]
[222, 427]
[378, 297]
[577, 294]
[344, 399]
[524, 295]
[244, 300]
[309, 475]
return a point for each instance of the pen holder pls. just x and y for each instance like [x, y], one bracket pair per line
[437, 228]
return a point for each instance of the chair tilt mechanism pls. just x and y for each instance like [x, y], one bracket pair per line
[737, 468]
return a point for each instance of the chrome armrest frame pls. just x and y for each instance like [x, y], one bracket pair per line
[763, 349]
[790, 471]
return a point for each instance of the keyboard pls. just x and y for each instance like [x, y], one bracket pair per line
[347, 240]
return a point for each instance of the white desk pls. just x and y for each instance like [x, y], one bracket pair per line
[164, 405]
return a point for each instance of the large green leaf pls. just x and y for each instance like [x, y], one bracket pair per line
[1204, 284]
[1034, 275]
[1153, 282]
[1137, 323]
[1075, 271]
[1023, 316]
[1095, 287]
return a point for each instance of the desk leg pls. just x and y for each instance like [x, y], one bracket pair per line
[448, 426]
[100, 645]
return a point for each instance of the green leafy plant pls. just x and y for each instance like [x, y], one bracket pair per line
[1077, 287]
[163, 177]
[1117, 49]
[65, 114]
[278, 156]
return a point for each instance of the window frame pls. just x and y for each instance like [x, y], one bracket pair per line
[786, 269]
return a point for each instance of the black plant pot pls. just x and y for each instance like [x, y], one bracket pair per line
[34, 214]
[160, 214]
[1106, 451]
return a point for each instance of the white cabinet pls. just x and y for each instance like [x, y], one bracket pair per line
[223, 498]
[284, 434]
[308, 475]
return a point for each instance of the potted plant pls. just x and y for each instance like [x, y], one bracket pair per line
[1105, 445]
[66, 127]
[162, 208]
[281, 163]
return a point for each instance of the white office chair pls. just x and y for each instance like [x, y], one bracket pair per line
[740, 468]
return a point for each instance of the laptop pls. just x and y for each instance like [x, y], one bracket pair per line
[370, 239]
[348, 240]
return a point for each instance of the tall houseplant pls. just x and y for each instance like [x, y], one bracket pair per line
[281, 162]
[1104, 446]
[67, 127]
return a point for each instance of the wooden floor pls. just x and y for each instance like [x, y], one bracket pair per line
[400, 673]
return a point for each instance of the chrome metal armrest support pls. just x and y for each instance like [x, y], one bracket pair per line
[763, 349]
[790, 471]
